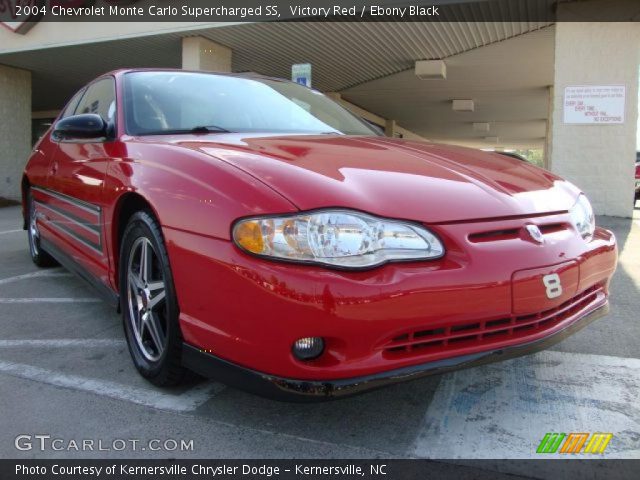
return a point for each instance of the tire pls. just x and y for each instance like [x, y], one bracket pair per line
[148, 302]
[41, 258]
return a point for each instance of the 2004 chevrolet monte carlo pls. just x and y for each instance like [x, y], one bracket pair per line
[254, 231]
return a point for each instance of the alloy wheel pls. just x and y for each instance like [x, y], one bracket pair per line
[146, 299]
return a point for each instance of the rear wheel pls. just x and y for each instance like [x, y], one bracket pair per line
[38, 256]
[148, 302]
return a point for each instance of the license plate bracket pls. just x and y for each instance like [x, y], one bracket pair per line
[538, 289]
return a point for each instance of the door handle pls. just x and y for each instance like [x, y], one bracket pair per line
[54, 168]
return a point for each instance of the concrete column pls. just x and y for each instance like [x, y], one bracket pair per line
[548, 143]
[199, 53]
[15, 128]
[390, 128]
[597, 158]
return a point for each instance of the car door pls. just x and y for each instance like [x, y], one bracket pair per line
[74, 194]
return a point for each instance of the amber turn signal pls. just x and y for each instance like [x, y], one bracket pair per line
[249, 236]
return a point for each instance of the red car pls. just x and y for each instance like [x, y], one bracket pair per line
[254, 231]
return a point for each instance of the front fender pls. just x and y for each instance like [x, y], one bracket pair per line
[187, 190]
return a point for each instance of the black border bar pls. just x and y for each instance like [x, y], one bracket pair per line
[325, 469]
[318, 11]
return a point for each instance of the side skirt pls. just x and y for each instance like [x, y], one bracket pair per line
[106, 293]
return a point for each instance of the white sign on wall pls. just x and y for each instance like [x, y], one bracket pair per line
[594, 104]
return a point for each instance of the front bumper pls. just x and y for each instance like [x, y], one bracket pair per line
[486, 295]
[289, 389]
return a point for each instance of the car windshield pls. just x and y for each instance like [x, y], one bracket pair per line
[181, 102]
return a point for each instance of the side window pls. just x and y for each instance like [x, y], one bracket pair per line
[71, 106]
[100, 99]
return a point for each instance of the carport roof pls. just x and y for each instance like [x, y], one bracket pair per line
[508, 82]
[369, 62]
[343, 54]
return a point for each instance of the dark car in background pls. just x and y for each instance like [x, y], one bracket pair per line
[512, 155]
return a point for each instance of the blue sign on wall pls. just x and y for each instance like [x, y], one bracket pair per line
[301, 73]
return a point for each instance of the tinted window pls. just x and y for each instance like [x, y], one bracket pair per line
[176, 102]
[71, 106]
[99, 99]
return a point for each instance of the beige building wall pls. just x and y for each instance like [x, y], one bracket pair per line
[15, 128]
[597, 158]
[199, 53]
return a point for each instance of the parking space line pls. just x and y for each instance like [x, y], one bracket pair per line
[508, 407]
[10, 231]
[149, 397]
[42, 273]
[63, 343]
[50, 300]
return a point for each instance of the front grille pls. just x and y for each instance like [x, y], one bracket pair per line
[487, 332]
[513, 233]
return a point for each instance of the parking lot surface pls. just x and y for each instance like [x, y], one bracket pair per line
[65, 371]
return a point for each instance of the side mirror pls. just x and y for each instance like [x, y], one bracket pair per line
[84, 126]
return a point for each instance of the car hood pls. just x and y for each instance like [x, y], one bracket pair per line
[388, 177]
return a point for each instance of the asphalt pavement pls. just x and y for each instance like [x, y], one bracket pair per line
[65, 372]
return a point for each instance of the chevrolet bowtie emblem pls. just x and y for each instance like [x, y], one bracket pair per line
[535, 233]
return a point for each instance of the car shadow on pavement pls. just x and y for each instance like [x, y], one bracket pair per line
[387, 420]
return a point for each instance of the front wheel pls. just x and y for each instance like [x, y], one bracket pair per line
[148, 302]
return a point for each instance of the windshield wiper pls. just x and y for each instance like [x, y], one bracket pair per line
[209, 129]
[198, 129]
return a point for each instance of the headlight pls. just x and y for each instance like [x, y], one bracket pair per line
[340, 238]
[583, 218]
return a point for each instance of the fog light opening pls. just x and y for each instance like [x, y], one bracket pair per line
[308, 348]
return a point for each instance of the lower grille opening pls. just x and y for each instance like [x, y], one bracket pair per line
[524, 327]
[463, 339]
[499, 333]
[428, 333]
[442, 339]
[462, 328]
[496, 323]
